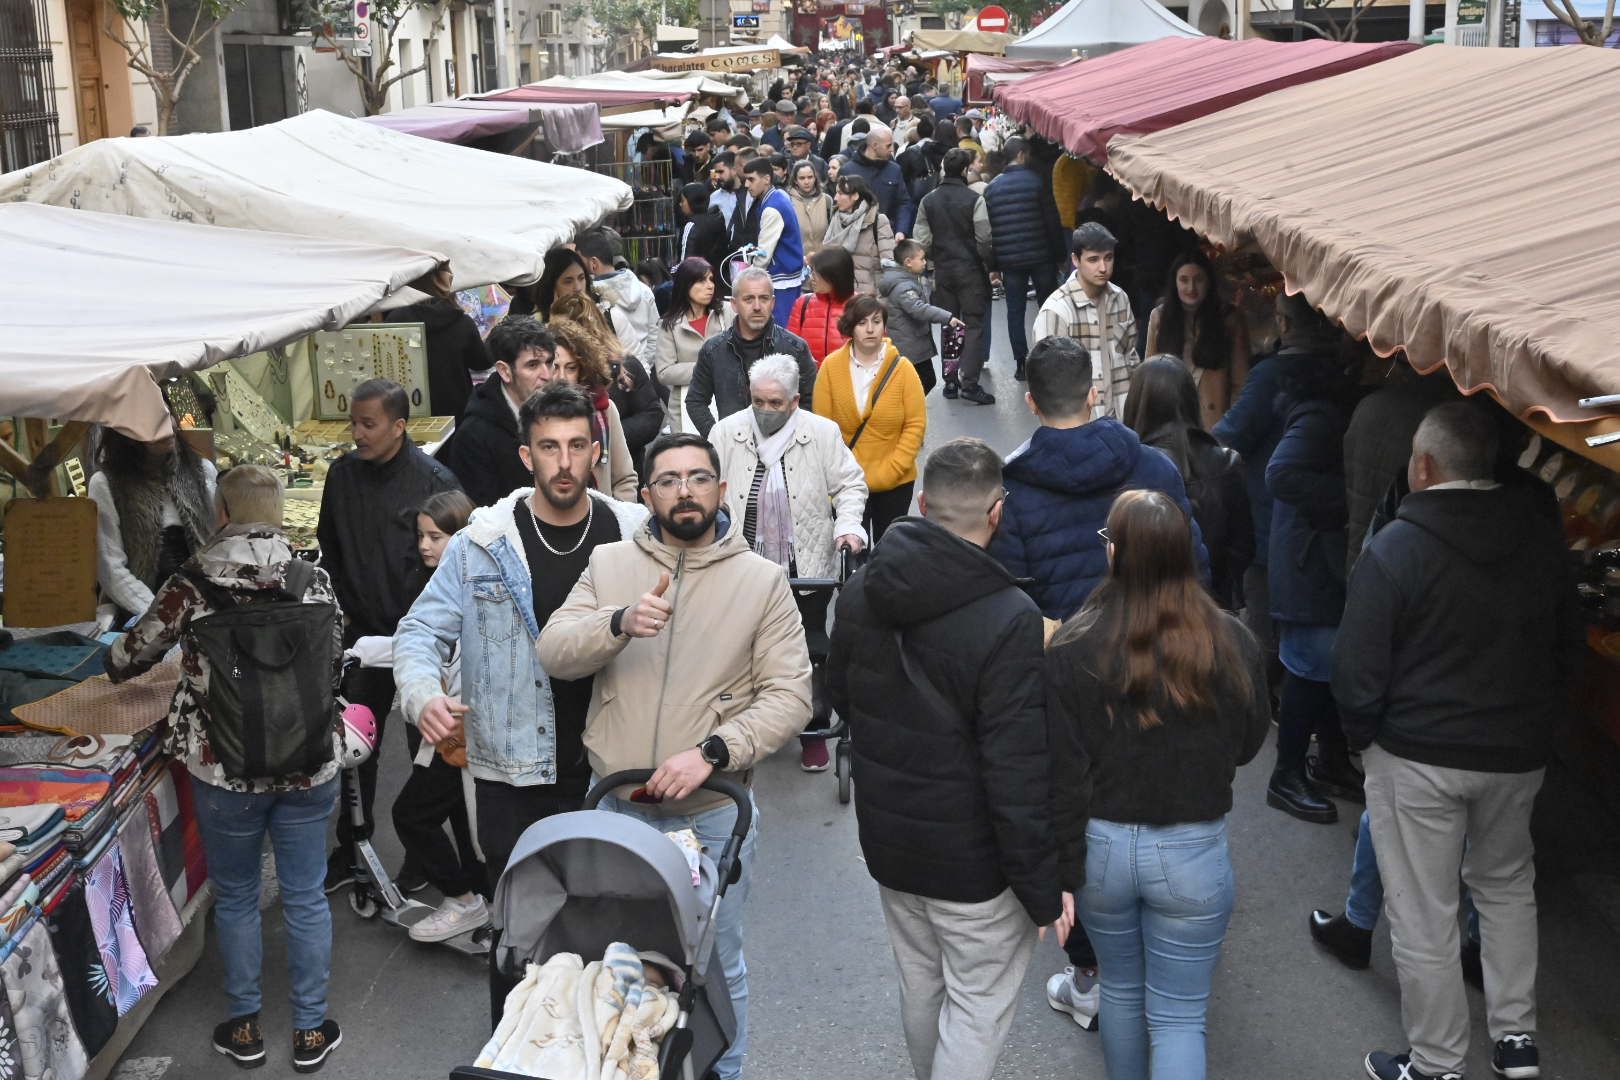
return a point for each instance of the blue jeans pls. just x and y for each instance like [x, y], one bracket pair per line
[713, 828]
[1017, 283]
[785, 299]
[233, 826]
[1366, 900]
[1156, 903]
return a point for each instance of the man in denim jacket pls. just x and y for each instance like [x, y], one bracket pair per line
[497, 584]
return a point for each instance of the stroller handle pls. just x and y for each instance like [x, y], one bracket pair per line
[729, 788]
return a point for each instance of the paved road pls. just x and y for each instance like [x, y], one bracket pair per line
[824, 1003]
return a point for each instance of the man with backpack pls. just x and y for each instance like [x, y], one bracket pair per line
[260, 742]
[368, 546]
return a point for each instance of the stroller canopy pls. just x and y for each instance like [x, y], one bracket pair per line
[578, 882]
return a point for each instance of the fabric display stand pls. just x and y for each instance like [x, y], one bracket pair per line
[102, 876]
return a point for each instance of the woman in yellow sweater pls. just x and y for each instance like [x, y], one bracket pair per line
[877, 399]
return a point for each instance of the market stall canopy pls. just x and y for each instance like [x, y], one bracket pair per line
[1083, 104]
[318, 174]
[569, 128]
[980, 66]
[1461, 204]
[1098, 27]
[783, 45]
[666, 123]
[961, 41]
[169, 296]
[609, 88]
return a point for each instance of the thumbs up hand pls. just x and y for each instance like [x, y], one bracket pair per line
[649, 615]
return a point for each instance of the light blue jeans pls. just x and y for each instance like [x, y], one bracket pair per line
[713, 828]
[233, 826]
[1156, 903]
[1366, 899]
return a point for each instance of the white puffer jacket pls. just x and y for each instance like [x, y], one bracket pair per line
[826, 486]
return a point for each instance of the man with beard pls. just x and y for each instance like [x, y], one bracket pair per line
[704, 649]
[720, 376]
[498, 582]
[723, 175]
[484, 451]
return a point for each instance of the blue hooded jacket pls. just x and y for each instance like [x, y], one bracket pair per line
[1060, 486]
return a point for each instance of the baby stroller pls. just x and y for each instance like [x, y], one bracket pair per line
[581, 881]
[814, 597]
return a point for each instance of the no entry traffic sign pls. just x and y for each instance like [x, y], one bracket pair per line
[993, 19]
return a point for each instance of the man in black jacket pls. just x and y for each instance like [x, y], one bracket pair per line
[951, 763]
[720, 376]
[483, 452]
[1029, 240]
[1460, 639]
[368, 548]
[954, 225]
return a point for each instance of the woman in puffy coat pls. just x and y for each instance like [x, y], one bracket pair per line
[816, 313]
[860, 229]
[695, 315]
[1163, 409]
[813, 205]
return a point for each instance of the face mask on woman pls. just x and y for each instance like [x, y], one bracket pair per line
[770, 421]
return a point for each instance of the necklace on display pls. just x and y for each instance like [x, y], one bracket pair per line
[539, 530]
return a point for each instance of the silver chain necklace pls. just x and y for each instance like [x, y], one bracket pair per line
[590, 511]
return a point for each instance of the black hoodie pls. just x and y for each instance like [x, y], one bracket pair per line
[483, 452]
[1461, 633]
[454, 351]
[954, 805]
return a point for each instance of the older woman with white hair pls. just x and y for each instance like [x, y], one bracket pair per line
[797, 490]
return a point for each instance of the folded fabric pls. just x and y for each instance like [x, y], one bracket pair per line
[98, 707]
[107, 895]
[48, 1041]
[157, 923]
[84, 980]
[10, 1046]
[36, 851]
[60, 654]
[23, 824]
[17, 905]
[89, 857]
[76, 791]
[107, 753]
[175, 837]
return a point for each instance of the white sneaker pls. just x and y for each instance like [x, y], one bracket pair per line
[1064, 996]
[452, 919]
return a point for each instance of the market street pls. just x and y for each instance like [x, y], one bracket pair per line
[823, 987]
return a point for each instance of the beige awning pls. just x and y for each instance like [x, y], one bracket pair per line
[1461, 204]
[965, 41]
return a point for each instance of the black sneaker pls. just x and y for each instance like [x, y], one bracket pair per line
[1382, 1066]
[952, 388]
[1018, 373]
[311, 1045]
[241, 1040]
[978, 395]
[339, 871]
[1516, 1058]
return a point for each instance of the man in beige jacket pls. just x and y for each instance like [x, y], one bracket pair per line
[699, 659]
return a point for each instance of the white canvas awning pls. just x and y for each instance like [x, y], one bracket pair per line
[328, 176]
[1098, 27]
[653, 81]
[97, 306]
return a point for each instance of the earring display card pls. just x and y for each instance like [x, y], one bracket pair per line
[343, 359]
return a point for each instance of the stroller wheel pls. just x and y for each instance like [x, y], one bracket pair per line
[843, 768]
[363, 903]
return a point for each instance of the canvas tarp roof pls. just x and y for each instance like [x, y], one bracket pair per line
[97, 305]
[623, 88]
[1084, 103]
[1097, 27]
[329, 176]
[963, 41]
[1461, 204]
[566, 127]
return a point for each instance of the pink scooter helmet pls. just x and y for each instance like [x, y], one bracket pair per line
[359, 736]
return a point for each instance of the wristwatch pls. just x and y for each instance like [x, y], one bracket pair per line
[715, 751]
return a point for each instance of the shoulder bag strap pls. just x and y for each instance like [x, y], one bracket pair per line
[920, 681]
[876, 394]
[300, 576]
[218, 598]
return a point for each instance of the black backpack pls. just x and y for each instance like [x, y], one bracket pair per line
[270, 703]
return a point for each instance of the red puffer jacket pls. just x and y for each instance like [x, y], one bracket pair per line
[815, 318]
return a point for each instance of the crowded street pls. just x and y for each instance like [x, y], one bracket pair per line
[809, 539]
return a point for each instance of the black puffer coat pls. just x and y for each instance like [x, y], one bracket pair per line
[952, 806]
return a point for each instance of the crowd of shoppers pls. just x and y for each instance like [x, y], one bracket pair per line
[594, 575]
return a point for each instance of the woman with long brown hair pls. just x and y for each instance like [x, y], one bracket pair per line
[1208, 334]
[633, 391]
[1155, 696]
[582, 359]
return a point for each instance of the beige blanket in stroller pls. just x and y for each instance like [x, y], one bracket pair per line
[576, 1021]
